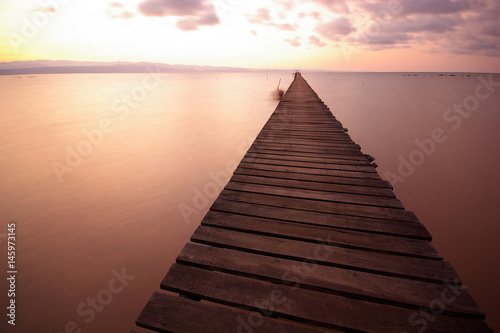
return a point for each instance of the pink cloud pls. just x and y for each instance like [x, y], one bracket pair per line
[336, 28]
[116, 5]
[315, 41]
[294, 42]
[337, 6]
[263, 16]
[194, 13]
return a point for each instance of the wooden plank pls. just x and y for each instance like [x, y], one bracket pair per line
[166, 313]
[317, 159]
[264, 171]
[340, 156]
[307, 143]
[314, 276]
[330, 138]
[312, 165]
[323, 129]
[338, 221]
[321, 206]
[334, 133]
[308, 185]
[337, 138]
[323, 132]
[357, 199]
[311, 171]
[335, 237]
[307, 149]
[302, 305]
[358, 260]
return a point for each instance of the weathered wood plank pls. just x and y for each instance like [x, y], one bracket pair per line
[311, 165]
[309, 233]
[350, 283]
[350, 198]
[308, 143]
[348, 157]
[359, 260]
[317, 159]
[339, 221]
[321, 206]
[311, 134]
[325, 151]
[311, 171]
[323, 139]
[353, 158]
[166, 313]
[309, 185]
[309, 306]
[263, 171]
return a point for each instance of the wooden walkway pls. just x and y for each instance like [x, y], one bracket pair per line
[306, 237]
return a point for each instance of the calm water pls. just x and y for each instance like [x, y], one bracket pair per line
[95, 169]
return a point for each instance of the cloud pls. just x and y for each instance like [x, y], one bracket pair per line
[336, 6]
[49, 9]
[434, 6]
[263, 16]
[287, 4]
[315, 41]
[447, 26]
[194, 13]
[314, 15]
[491, 29]
[175, 7]
[411, 7]
[426, 23]
[384, 39]
[117, 11]
[283, 26]
[122, 15]
[193, 22]
[294, 42]
[335, 29]
[116, 5]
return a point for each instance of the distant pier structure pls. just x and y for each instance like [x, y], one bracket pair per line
[306, 237]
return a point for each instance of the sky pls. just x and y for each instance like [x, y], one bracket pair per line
[355, 35]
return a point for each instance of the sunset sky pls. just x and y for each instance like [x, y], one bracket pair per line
[374, 35]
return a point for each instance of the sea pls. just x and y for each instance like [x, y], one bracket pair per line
[104, 177]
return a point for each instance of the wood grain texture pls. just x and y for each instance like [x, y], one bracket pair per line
[307, 237]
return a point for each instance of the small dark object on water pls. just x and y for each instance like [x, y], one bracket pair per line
[279, 92]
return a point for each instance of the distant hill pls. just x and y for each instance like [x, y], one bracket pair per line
[66, 66]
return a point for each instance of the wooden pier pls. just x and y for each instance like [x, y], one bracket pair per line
[306, 237]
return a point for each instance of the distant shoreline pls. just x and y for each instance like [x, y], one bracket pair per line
[98, 70]
[34, 67]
